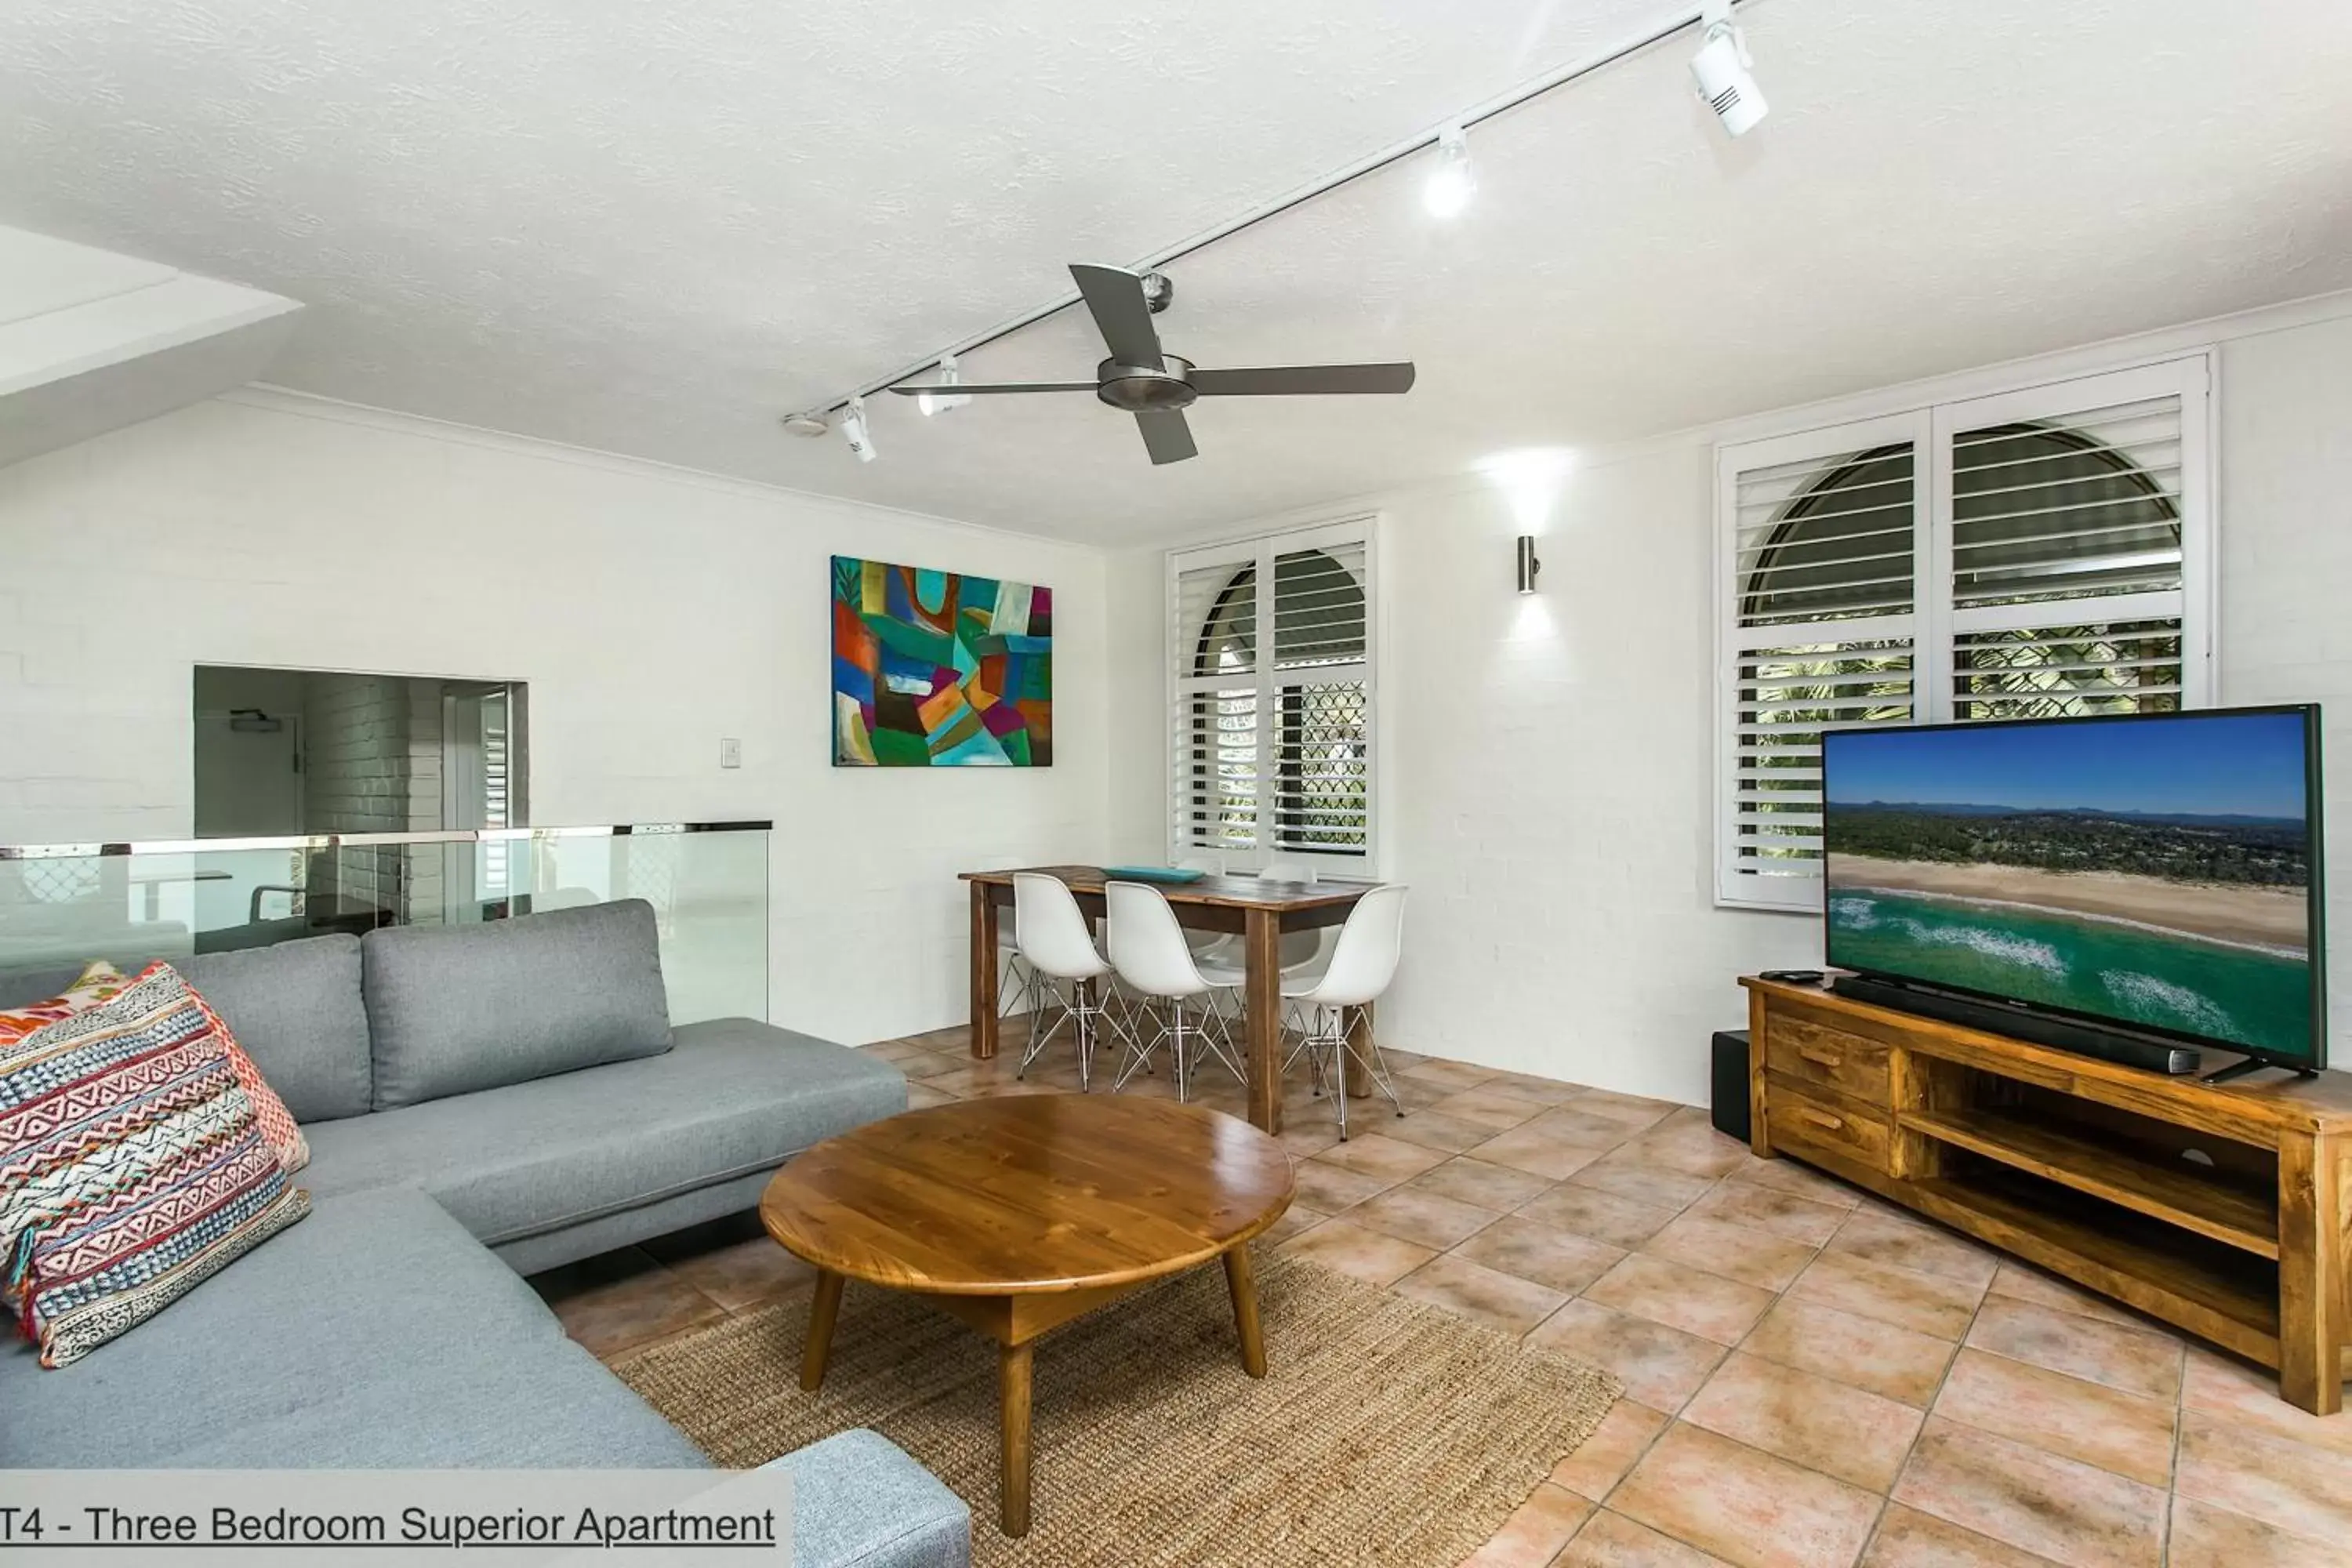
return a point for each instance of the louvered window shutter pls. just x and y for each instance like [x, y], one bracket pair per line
[498, 793]
[1323, 692]
[1271, 700]
[1821, 632]
[2043, 553]
[1213, 644]
[2077, 546]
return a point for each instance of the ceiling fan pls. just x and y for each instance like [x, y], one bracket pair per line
[1156, 386]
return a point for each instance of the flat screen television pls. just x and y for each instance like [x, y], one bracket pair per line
[2155, 873]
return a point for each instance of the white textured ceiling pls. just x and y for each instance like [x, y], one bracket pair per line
[652, 228]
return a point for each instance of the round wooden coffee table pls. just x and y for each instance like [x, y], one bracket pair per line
[1019, 1212]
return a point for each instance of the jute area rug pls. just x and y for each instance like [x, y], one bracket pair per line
[1386, 1431]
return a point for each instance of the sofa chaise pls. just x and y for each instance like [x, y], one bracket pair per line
[481, 1101]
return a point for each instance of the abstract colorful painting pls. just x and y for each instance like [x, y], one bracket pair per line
[931, 669]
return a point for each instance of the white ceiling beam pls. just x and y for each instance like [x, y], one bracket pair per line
[94, 341]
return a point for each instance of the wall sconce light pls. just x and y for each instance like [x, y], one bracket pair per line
[1528, 564]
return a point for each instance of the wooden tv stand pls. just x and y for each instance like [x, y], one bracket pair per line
[2221, 1209]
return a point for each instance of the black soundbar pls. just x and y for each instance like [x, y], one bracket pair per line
[2021, 1023]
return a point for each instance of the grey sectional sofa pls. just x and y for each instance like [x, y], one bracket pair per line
[481, 1102]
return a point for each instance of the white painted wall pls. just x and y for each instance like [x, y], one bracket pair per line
[1547, 787]
[652, 612]
[2287, 571]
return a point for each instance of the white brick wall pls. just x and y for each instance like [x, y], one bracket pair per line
[358, 753]
[2286, 568]
[356, 741]
[651, 613]
[1547, 761]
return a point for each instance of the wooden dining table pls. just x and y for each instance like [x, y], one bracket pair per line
[1260, 912]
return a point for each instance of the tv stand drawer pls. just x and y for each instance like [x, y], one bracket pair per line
[1801, 1119]
[1813, 1053]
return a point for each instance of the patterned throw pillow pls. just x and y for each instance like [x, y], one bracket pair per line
[98, 981]
[102, 979]
[131, 1166]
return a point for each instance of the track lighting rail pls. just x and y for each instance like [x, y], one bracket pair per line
[1676, 21]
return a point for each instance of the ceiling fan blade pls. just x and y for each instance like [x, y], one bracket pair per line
[1115, 296]
[959, 389]
[1166, 435]
[1295, 380]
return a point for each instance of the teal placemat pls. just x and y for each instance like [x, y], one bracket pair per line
[1151, 874]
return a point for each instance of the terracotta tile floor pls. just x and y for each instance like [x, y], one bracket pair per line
[1813, 1379]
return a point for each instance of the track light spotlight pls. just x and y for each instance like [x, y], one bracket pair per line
[942, 401]
[1721, 68]
[853, 425]
[1453, 181]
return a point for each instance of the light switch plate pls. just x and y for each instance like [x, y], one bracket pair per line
[731, 752]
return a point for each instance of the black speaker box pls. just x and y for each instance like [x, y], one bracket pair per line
[1728, 1104]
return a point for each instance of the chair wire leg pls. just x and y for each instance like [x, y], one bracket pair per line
[1379, 1066]
[1339, 1068]
[1316, 1048]
[1306, 1047]
[1220, 1038]
[1119, 1011]
[1022, 997]
[1139, 1048]
[1089, 1009]
[1374, 1063]
[1037, 1042]
[1181, 1034]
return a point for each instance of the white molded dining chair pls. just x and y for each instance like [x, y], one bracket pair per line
[1222, 961]
[1363, 962]
[1148, 951]
[1057, 943]
[1229, 966]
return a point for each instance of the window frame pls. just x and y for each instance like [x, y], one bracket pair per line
[1933, 622]
[1179, 640]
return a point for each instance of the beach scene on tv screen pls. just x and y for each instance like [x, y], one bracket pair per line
[2154, 872]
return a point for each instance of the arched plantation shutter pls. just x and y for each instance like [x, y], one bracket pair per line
[1820, 611]
[2040, 553]
[1215, 745]
[2076, 546]
[1270, 647]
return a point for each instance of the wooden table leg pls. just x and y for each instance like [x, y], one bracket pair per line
[984, 971]
[2311, 1280]
[823, 1308]
[1241, 1280]
[1261, 999]
[1359, 1052]
[1013, 1476]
